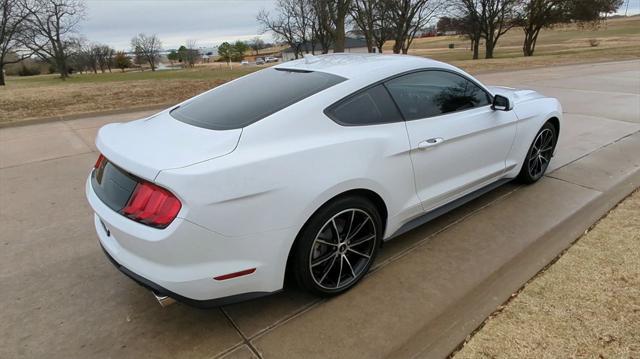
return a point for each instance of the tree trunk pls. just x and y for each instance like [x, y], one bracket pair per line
[489, 46]
[397, 46]
[2, 83]
[527, 48]
[338, 45]
[379, 49]
[530, 39]
[476, 48]
[62, 67]
[370, 47]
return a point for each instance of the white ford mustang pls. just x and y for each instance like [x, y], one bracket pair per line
[304, 169]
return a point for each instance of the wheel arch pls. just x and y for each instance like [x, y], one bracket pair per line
[556, 123]
[369, 194]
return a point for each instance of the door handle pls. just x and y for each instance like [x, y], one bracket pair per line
[430, 143]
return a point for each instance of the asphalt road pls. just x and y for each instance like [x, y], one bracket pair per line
[61, 298]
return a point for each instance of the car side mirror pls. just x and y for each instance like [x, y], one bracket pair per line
[501, 103]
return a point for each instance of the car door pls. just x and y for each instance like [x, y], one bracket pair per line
[458, 142]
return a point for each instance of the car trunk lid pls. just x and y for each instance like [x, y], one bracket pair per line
[146, 147]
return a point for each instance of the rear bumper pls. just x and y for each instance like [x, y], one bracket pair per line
[182, 260]
[160, 291]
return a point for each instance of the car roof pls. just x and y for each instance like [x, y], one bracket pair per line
[351, 65]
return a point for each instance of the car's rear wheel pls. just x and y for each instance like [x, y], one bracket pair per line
[539, 155]
[337, 246]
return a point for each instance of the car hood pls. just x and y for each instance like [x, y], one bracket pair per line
[515, 95]
[147, 146]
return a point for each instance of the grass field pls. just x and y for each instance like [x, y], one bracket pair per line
[47, 96]
[586, 305]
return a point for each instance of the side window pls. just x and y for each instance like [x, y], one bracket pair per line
[432, 93]
[370, 107]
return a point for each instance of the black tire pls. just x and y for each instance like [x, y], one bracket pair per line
[315, 264]
[539, 155]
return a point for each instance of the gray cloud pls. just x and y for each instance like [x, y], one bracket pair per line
[209, 22]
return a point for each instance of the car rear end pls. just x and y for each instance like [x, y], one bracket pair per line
[176, 204]
[144, 227]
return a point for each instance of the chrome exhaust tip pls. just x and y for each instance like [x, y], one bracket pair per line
[163, 300]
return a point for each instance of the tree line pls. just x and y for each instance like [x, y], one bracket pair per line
[47, 30]
[319, 25]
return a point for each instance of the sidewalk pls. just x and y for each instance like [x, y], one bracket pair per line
[587, 304]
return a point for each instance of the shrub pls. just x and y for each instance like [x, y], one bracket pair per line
[28, 71]
[594, 42]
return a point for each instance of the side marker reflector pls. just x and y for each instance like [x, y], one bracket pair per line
[235, 275]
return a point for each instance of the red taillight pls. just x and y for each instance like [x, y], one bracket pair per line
[152, 205]
[100, 161]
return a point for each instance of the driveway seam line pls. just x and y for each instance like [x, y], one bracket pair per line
[576, 184]
[244, 337]
[48, 159]
[288, 319]
[423, 241]
[75, 132]
[594, 151]
[282, 321]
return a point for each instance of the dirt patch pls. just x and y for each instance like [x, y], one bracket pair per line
[585, 305]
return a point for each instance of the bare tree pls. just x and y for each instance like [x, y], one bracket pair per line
[321, 29]
[290, 24]
[372, 17]
[147, 49]
[469, 23]
[332, 15]
[192, 54]
[105, 57]
[536, 15]
[410, 16]
[13, 16]
[51, 24]
[499, 18]
[489, 18]
[365, 17]
[256, 44]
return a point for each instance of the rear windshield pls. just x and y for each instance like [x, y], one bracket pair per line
[252, 98]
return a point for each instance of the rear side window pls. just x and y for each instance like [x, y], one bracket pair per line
[252, 98]
[369, 107]
[432, 93]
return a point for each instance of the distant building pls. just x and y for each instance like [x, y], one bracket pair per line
[352, 45]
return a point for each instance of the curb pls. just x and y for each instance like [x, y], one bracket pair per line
[458, 322]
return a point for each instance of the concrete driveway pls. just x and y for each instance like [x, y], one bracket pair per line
[61, 298]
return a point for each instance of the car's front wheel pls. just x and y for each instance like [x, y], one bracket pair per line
[539, 155]
[337, 246]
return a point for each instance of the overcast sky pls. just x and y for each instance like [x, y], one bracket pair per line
[209, 22]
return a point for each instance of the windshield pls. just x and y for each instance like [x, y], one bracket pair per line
[252, 98]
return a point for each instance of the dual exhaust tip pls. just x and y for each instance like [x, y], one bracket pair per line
[163, 300]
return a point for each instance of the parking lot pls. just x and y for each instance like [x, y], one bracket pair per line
[430, 288]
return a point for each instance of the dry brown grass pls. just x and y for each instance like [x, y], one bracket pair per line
[586, 305]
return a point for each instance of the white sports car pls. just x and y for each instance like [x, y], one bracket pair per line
[216, 199]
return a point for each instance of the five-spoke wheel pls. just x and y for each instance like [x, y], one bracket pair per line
[338, 246]
[539, 155]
